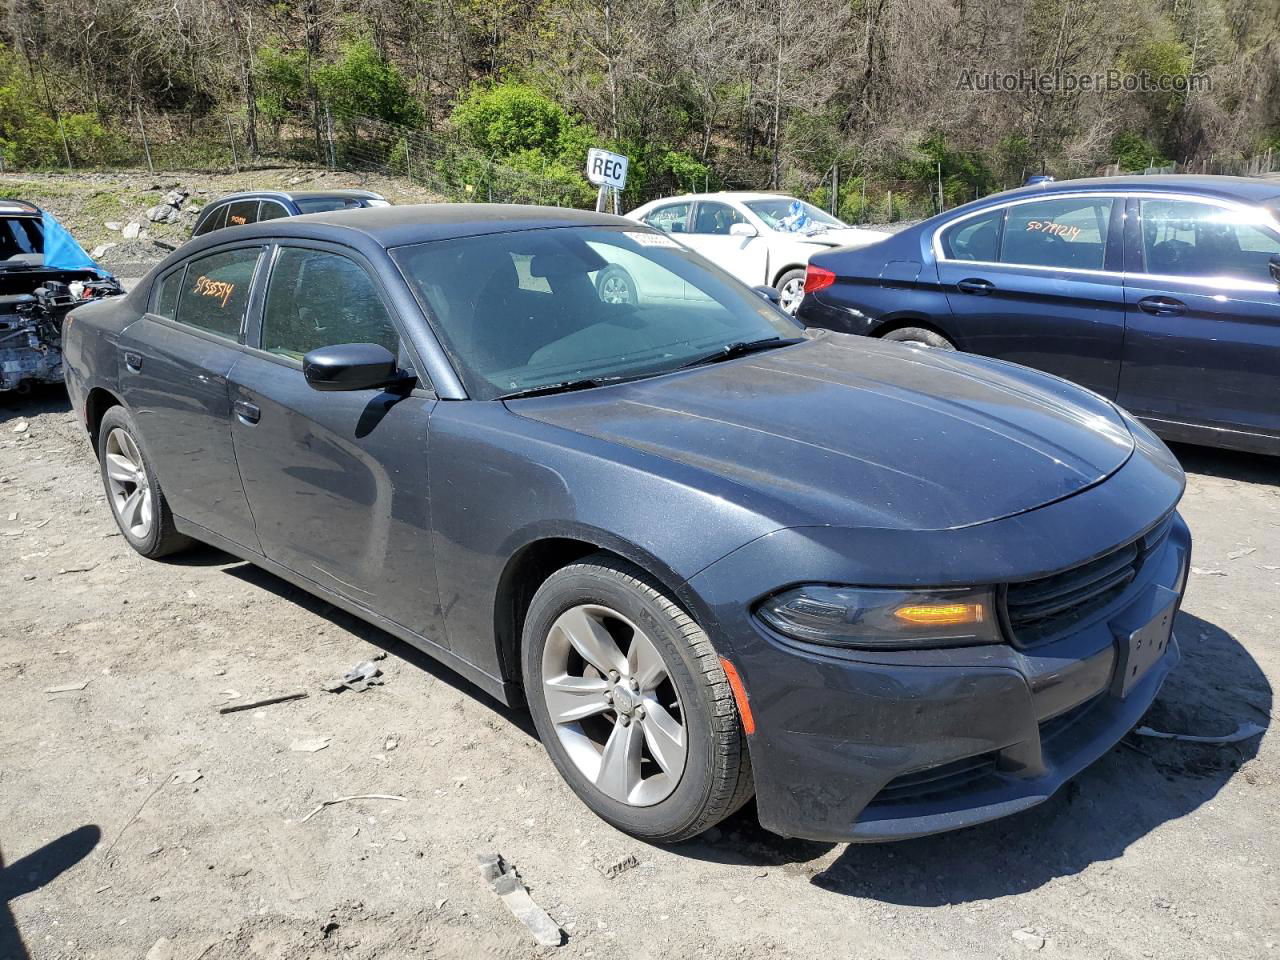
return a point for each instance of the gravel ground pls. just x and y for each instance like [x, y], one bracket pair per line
[1162, 849]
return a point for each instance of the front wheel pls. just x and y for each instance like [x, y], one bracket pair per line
[632, 703]
[790, 289]
[615, 285]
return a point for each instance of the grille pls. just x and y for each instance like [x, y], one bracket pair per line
[1039, 610]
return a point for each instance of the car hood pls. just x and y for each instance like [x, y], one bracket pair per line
[857, 432]
[847, 237]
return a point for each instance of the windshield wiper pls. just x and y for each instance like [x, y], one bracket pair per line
[564, 386]
[731, 351]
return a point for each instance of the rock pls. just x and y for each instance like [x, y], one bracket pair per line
[1028, 938]
[21, 427]
[100, 249]
[310, 744]
[176, 198]
[113, 225]
[164, 213]
[162, 949]
[131, 230]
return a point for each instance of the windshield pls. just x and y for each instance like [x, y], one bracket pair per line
[519, 311]
[790, 215]
[325, 204]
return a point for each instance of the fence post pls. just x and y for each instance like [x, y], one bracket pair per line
[328, 123]
[408, 167]
[890, 217]
[145, 145]
[940, 200]
[235, 157]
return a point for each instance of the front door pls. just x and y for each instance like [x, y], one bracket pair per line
[337, 481]
[1039, 283]
[1202, 344]
[173, 366]
[744, 257]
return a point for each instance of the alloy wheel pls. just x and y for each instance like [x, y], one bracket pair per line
[613, 704]
[615, 289]
[791, 294]
[131, 497]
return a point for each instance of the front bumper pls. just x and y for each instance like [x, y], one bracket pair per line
[860, 746]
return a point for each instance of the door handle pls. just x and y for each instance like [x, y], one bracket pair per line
[246, 411]
[133, 361]
[1162, 306]
[975, 285]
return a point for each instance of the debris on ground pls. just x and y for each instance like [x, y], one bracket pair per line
[237, 708]
[359, 678]
[186, 776]
[1243, 732]
[1237, 554]
[390, 743]
[503, 880]
[310, 744]
[1028, 938]
[67, 687]
[1201, 571]
[611, 870]
[358, 796]
[84, 569]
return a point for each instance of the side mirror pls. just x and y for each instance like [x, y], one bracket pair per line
[350, 366]
[769, 293]
[743, 230]
[1274, 265]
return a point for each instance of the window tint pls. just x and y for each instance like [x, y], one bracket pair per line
[270, 210]
[318, 299]
[977, 238]
[1183, 238]
[1071, 232]
[20, 235]
[242, 212]
[215, 292]
[716, 218]
[669, 219]
[215, 221]
[323, 204]
[164, 298]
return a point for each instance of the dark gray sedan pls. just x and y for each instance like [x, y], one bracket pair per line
[889, 591]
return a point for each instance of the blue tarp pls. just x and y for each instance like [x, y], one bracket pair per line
[60, 248]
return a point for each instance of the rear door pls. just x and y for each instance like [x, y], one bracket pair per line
[337, 481]
[744, 257]
[1202, 344]
[1039, 282]
[173, 378]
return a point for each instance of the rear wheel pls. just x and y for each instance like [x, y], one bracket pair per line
[614, 285]
[920, 337]
[631, 702]
[790, 289]
[137, 502]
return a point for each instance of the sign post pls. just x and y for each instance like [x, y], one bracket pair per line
[608, 171]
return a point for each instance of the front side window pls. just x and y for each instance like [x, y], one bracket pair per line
[164, 298]
[977, 238]
[669, 219]
[318, 299]
[1185, 238]
[215, 291]
[716, 218]
[533, 308]
[1070, 233]
[242, 212]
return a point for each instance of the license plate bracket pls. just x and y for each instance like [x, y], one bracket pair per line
[1143, 634]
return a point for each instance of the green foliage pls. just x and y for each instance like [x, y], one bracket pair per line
[29, 137]
[1135, 152]
[281, 82]
[508, 118]
[363, 83]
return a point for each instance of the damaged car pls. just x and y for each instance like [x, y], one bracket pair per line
[44, 273]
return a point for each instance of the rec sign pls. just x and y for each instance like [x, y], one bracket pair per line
[606, 169]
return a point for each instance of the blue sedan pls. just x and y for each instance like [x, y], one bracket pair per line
[1159, 293]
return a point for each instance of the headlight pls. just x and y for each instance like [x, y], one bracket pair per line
[875, 619]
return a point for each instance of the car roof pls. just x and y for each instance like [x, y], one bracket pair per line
[18, 208]
[367, 228]
[342, 194]
[1246, 189]
[740, 195]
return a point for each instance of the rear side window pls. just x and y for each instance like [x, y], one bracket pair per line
[1183, 238]
[977, 238]
[669, 219]
[164, 299]
[242, 212]
[1070, 232]
[215, 221]
[303, 313]
[270, 210]
[215, 292]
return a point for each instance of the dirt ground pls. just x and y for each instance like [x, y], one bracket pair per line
[1166, 850]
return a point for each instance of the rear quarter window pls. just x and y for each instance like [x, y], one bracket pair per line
[164, 295]
[216, 220]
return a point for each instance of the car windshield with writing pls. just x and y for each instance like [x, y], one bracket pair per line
[540, 309]
[793, 216]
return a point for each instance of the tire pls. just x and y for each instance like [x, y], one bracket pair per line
[146, 522]
[790, 287]
[921, 337]
[615, 285]
[605, 596]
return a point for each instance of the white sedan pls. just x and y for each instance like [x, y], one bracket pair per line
[763, 239]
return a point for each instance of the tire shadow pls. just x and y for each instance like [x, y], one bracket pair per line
[42, 398]
[1228, 464]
